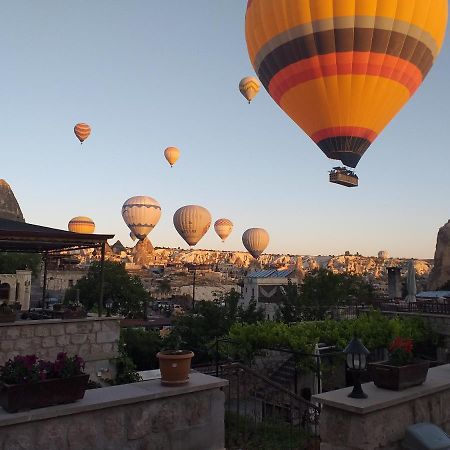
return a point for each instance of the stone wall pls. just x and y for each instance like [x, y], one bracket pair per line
[379, 422]
[137, 416]
[94, 339]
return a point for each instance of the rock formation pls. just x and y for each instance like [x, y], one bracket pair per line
[143, 253]
[9, 207]
[440, 274]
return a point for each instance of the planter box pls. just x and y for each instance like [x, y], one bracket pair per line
[16, 397]
[397, 378]
[70, 314]
[8, 317]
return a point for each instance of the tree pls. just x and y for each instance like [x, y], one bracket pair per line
[320, 291]
[126, 292]
[164, 287]
[10, 262]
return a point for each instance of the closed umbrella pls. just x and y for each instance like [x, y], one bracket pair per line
[411, 283]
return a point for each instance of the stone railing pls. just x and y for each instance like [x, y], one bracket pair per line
[95, 339]
[141, 415]
[379, 421]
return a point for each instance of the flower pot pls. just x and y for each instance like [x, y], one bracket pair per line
[396, 378]
[175, 366]
[74, 314]
[16, 397]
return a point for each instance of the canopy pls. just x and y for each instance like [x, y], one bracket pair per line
[28, 238]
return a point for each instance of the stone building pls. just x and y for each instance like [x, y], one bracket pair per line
[16, 287]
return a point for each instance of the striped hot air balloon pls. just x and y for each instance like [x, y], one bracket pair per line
[255, 240]
[342, 69]
[141, 214]
[192, 222]
[82, 131]
[81, 224]
[223, 228]
[249, 87]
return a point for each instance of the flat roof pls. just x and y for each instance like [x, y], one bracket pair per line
[29, 238]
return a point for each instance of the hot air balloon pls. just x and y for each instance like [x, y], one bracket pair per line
[249, 87]
[255, 240]
[223, 228]
[132, 236]
[192, 222]
[81, 224]
[141, 214]
[343, 69]
[82, 131]
[172, 154]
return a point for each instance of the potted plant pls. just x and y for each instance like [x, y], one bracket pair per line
[27, 382]
[74, 311]
[174, 364]
[7, 314]
[402, 370]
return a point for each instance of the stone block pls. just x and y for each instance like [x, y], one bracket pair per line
[96, 326]
[13, 332]
[27, 331]
[63, 340]
[71, 328]
[96, 350]
[42, 331]
[104, 337]
[78, 338]
[84, 327]
[111, 325]
[49, 341]
[52, 436]
[57, 330]
[139, 422]
[22, 345]
[82, 434]
[6, 346]
[107, 348]
[20, 440]
[114, 425]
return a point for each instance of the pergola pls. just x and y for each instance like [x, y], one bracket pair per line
[24, 237]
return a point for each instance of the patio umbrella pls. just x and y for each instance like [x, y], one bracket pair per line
[411, 283]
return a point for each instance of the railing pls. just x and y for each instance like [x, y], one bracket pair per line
[261, 414]
[426, 307]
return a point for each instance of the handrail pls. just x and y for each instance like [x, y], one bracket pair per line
[275, 385]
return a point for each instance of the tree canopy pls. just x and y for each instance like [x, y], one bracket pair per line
[126, 291]
[10, 262]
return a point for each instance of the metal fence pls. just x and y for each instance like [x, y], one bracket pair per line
[261, 414]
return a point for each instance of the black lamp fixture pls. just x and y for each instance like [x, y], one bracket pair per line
[356, 355]
[108, 306]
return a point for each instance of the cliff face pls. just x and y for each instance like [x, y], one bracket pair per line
[9, 207]
[143, 252]
[441, 270]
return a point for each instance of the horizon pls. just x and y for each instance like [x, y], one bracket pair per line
[144, 86]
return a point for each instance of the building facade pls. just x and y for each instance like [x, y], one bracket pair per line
[16, 287]
[267, 288]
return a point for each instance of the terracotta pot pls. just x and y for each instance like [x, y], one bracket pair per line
[396, 378]
[175, 366]
[16, 397]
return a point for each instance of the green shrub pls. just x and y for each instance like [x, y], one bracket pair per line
[142, 346]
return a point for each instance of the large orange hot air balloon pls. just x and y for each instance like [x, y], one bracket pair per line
[81, 224]
[82, 131]
[342, 69]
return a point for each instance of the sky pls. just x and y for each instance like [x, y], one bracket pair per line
[148, 74]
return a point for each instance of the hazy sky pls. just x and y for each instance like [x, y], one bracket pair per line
[148, 74]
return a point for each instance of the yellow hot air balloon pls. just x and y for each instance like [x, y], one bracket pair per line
[192, 222]
[172, 154]
[343, 69]
[249, 87]
[82, 131]
[141, 214]
[255, 240]
[81, 224]
[223, 228]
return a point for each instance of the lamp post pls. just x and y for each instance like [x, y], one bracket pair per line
[108, 306]
[356, 356]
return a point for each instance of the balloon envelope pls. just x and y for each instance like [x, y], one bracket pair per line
[223, 228]
[132, 236]
[192, 222]
[81, 224]
[249, 87]
[82, 131]
[343, 69]
[255, 240]
[141, 214]
[172, 154]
